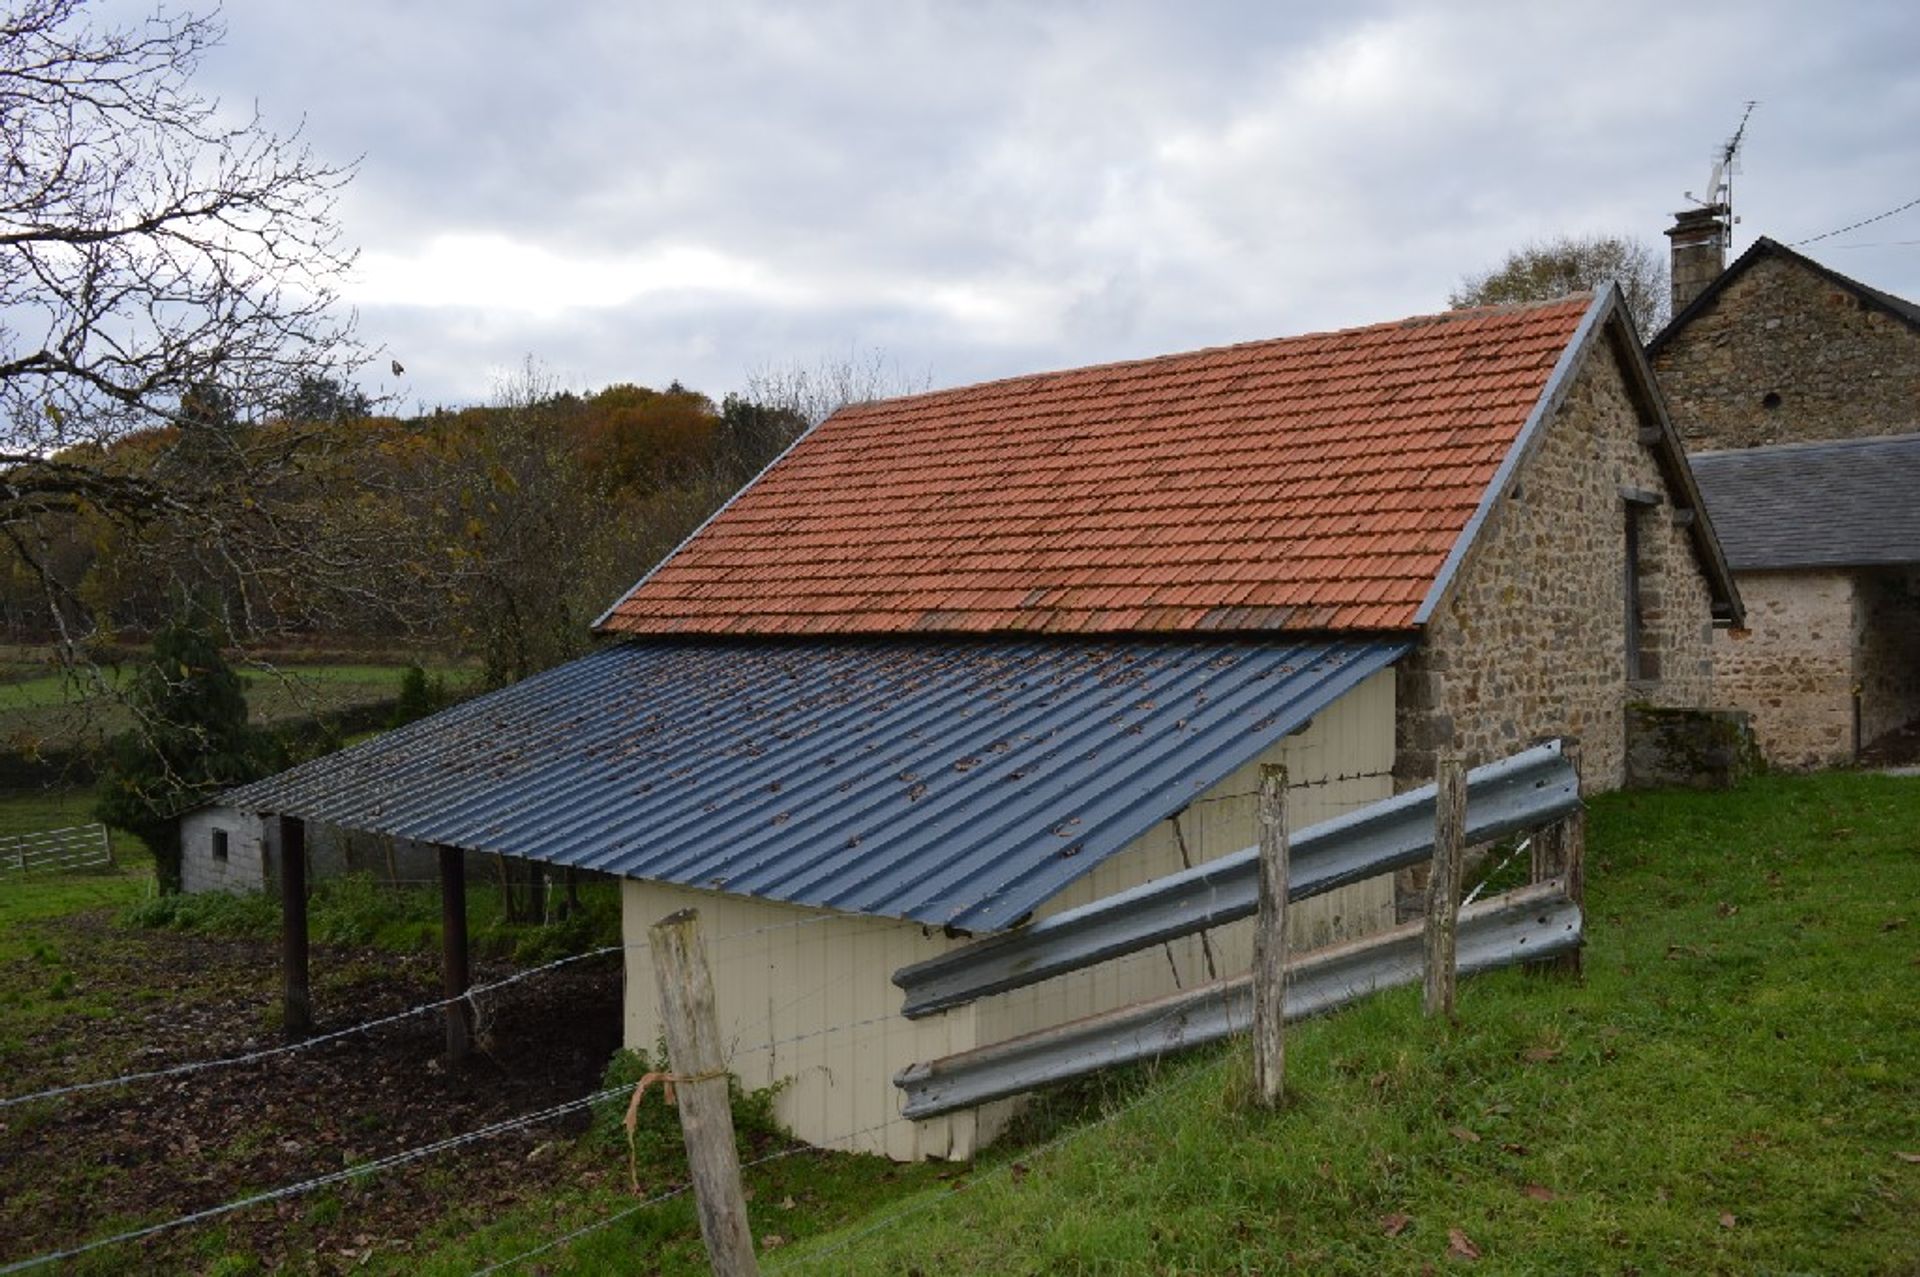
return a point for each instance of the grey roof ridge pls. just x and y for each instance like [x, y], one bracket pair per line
[1607, 314]
[1806, 445]
[1559, 381]
[687, 540]
[1899, 307]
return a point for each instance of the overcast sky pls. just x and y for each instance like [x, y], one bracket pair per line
[638, 192]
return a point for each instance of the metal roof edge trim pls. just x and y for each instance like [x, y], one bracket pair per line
[1559, 381]
[687, 540]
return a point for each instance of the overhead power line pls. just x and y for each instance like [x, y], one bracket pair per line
[1865, 221]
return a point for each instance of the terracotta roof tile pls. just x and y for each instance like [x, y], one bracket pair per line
[1313, 482]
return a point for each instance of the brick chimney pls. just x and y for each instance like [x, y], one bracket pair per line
[1699, 238]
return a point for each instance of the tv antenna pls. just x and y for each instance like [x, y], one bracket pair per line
[1726, 163]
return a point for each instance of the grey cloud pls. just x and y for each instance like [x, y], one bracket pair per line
[1157, 176]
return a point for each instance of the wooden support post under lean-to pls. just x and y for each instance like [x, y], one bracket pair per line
[1270, 941]
[1560, 851]
[453, 943]
[1443, 884]
[296, 1015]
[698, 1059]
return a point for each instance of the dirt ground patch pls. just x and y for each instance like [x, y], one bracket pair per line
[93, 1164]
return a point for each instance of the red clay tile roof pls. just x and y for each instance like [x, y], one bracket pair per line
[1311, 483]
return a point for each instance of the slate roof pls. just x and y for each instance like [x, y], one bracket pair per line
[1899, 307]
[960, 782]
[1848, 503]
[1312, 483]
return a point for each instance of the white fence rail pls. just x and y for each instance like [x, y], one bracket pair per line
[55, 850]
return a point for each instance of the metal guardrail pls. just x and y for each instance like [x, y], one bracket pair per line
[56, 850]
[1525, 925]
[1531, 788]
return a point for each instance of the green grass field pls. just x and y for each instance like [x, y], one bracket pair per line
[1731, 1089]
[45, 710]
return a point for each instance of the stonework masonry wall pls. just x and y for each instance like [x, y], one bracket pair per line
[1792, 667]
[1887, 650]
[1530, 641]
[1785, 355]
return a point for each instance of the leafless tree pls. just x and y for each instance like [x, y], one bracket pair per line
[168, 276]
[816, 391]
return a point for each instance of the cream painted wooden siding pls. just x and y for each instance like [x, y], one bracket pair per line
[826, 979]
[1342, 761]
[782, 973]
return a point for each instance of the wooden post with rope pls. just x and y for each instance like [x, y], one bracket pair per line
[1443, 884]
[1270, 942]
[696, 1055]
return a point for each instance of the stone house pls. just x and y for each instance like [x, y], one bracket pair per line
[1825, 541]
[1781, 355]
[968, 658]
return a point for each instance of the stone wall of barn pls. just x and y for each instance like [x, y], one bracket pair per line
[1531, 639]
[1887, 655]
[1792, 667]
[1784, 355]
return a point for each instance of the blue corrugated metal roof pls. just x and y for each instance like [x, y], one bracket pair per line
[960, 783]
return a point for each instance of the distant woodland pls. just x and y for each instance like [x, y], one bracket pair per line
[496, 532]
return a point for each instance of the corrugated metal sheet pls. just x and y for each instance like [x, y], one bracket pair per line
[960, 783]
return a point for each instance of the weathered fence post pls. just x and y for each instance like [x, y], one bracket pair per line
[1270, 941]
[1560, 851]
[296, 1016]
[453, 949]
[1443, 884]
[696, 1055]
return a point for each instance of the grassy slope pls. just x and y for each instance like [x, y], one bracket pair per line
[1727, 1092]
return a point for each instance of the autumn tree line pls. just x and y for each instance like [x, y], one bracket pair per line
[498, 531]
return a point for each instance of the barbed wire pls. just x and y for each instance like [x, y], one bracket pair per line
[333, 1035]
[637, 1207]
[357, 1171]
[1021, 1158]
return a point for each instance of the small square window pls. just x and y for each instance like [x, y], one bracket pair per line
[219, 844]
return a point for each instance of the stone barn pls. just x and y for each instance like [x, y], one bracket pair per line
[964, 659]
[1797, 389]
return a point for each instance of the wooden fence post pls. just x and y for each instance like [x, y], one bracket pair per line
[296, 1001]
[1443, 884]
[696, 1055]
[1560, 851]
[1270, 941]
[454, 977]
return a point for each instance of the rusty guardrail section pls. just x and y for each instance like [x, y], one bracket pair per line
[1524, 925]
[1531, 788]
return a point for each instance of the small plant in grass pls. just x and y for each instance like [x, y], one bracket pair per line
[657, 1143]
